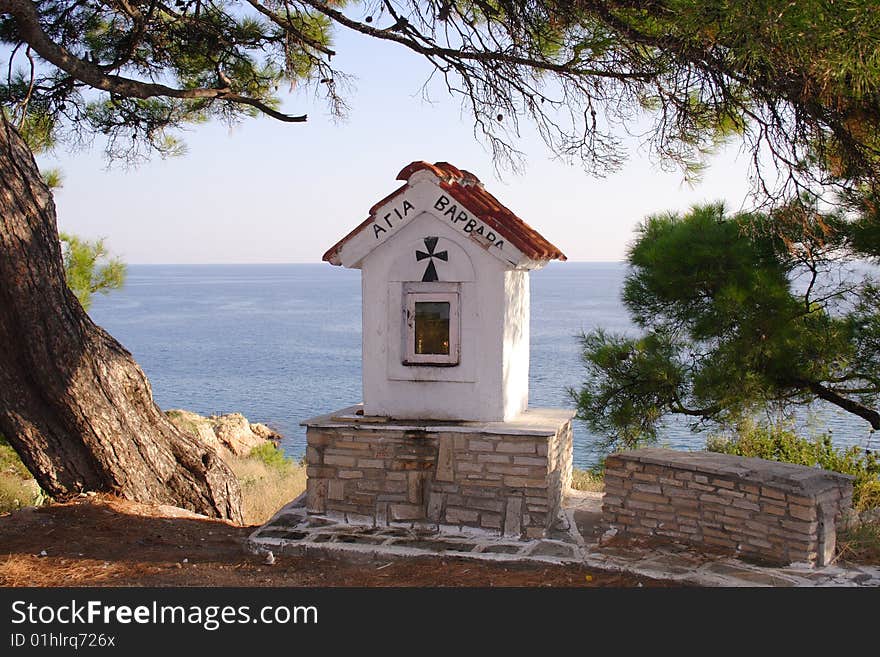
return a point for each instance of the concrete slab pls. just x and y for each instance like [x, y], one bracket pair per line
[531, 422]
[293, 530]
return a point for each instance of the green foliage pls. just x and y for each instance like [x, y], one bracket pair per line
[702, 270]
[38, 131]
[736, 318]
[186, 46]
[766, 52]
[89, 270]
[53, 178]
[10, 463]
[271, 456]
[798, 81]
[17, 486]
[778, 443]
[640, 377]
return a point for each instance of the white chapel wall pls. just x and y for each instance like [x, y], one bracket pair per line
[476, 388]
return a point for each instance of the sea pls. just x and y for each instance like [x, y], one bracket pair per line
[282, 343]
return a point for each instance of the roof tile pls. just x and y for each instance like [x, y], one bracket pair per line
[467, 189]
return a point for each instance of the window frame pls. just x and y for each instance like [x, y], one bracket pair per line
[431, 293]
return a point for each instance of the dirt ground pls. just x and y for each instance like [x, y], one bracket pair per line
[105, 541]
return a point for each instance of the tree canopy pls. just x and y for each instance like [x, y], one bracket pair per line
[797, 82]
[736, 319]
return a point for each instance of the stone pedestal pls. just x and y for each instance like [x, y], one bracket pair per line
[503, 477]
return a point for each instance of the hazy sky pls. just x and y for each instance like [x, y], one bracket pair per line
[271, 192]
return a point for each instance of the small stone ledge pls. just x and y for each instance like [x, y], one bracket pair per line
[774, 512]
[784, 476]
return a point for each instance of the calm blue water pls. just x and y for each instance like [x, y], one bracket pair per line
[282, 343]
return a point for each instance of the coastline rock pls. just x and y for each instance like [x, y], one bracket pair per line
[197, 427]
[234, 431]
[227, 434]
[265, 432]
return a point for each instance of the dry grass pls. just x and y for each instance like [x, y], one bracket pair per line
[860, 544]
[586, 480]
[17, 488]
[268, 481]
[10, 463]
[869, 496]
[30, 570]
[16, 492]
[265, 488]
[185, 422]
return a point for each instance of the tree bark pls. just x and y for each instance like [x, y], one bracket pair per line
[74, 404]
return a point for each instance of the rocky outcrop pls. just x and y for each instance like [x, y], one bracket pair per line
[227, 434]
[266, 432]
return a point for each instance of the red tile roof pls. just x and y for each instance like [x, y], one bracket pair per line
[467, 189]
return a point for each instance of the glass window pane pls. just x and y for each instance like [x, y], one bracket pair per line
[432, 327]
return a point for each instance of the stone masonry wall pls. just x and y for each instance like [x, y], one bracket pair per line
[775, 512]
[560, 465]
[510, 484]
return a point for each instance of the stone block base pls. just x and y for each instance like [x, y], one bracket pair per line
[503, 477]
[775, 512]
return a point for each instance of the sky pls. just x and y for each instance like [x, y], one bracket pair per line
[268, 192]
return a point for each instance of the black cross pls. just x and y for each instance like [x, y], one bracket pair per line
[430, 271]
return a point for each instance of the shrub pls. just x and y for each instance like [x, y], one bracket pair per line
[10, 464]
[779, 443]
[17, 487]
[869, 496]
[270, 455]
[16, 493]
[860, 544]
[588, 480]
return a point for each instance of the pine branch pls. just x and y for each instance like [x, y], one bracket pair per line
[27, 20]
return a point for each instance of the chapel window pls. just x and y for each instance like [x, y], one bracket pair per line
[432, 328]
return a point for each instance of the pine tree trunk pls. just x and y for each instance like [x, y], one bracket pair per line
[73, 402]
